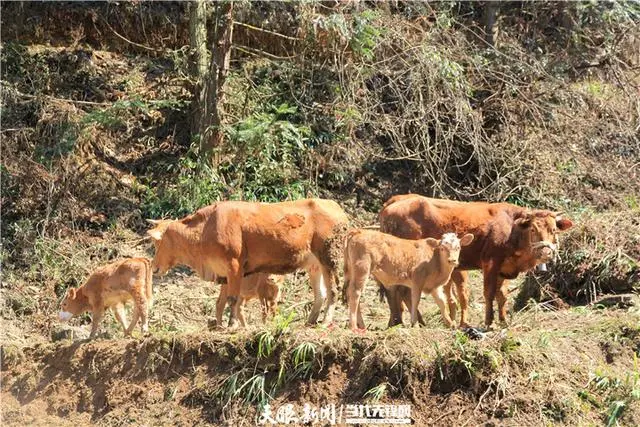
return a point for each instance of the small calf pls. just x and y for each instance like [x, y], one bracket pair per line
[264, 286]
[111, 287]
[422, 265]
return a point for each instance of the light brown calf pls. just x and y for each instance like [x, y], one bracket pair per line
[265, 287]
[111, 287]
[422, 265]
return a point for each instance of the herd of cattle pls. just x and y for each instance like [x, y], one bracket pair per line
[423, 245]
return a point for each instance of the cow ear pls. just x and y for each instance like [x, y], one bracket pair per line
[434, 243]
[155, 233]
[563, 223]
[72, 293]
[466, 239]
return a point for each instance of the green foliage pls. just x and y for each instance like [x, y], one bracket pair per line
[377, 393]
[260, 162]
[365, 33]
[253, 391]
[303, 359]
[268, 147]
[266, 343]
[361, 33]
[197, 184]
[119, 112]
[283, 322]
[615, 393]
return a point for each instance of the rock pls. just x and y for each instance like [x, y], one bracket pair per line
[620, 301]
[475, 333]
[66, 332]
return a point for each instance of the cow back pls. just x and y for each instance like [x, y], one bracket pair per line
[417, 217]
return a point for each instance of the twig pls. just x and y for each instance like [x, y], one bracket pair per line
[242, 24]
[132, 42]
[257, 52]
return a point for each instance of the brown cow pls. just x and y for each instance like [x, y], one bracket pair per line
[234, 239]
[508, 240]
[421, 265]
[112, 286]
[265, 287]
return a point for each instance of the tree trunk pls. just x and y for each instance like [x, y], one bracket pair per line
[490, 22]
[198, 42]
[211, 133]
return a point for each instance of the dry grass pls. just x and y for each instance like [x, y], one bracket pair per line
[545, 368]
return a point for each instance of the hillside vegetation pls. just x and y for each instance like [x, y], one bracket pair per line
[349, 100]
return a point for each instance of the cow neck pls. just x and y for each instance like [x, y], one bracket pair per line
[81, 296]
[188, 238]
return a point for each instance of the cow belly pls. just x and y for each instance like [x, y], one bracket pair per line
[390, 279]
[284, 265]
[113, 298]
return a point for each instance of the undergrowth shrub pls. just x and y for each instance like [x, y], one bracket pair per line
[260, 163]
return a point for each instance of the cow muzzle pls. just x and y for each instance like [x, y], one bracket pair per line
[545, 251]
[65, 316]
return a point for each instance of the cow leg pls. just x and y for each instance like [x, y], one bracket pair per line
[439, 297]
[264, 307]
[356, 286]
[140, 301]
[416, 292]
[241, 302]
[220, 304]
[330, 285]
[134, 320]
[120, 315]
[98, 314]
[460, 279]
[404, 294]
[394, 300]
[501, 297]
[359, 273]
[360, 318]
[490, 287]
[234, 281]
[319, 293]
[354, 303]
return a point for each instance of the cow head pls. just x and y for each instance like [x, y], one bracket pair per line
[164, 258]
[450, 245]
[538, 231]
[73, 303]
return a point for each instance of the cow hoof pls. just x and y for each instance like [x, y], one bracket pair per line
[330, 326]
[234, 324]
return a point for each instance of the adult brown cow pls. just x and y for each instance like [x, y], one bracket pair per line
[508, 240]
[233, 239]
